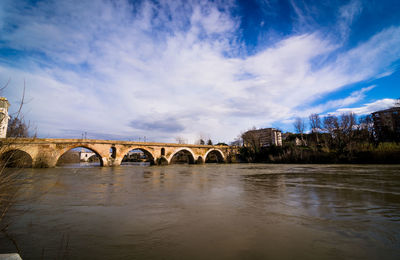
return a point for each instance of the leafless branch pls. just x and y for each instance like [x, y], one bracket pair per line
[6, 85]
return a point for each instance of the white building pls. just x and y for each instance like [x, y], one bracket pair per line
[263, 137]
[4, 116]
[85, 155]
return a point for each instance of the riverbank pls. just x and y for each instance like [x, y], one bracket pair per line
[383, 153]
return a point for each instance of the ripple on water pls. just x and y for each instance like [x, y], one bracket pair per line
[224, 211]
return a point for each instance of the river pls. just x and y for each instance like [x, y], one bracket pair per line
[211, 211]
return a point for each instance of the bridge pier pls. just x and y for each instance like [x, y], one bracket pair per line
[44, 159]
[162, 160]
[200, 160]
[106, 162]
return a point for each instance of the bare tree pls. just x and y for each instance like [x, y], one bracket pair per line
[397, 102]
[348, 123]
[366, 128]
[331, 126]
[342, 130]
[251, 139]
[17, 128]
[200, 141]
[180, 140]
[251, 144]
[315, 124]
[299, 126]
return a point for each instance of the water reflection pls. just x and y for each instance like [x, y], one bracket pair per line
[210, 211]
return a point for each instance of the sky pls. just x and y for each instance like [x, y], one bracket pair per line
[159, 70]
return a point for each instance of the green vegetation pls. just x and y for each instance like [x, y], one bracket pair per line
[288, 153]
[343, 139]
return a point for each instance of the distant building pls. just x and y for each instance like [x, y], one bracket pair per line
[387, 124]
[85, 155]
[262, 137]
[135, 155]
[4, 116]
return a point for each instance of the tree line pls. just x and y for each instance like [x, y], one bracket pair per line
[346, 138]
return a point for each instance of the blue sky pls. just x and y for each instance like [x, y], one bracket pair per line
[195, 69]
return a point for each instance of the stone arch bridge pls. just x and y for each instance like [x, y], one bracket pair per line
[46, 152]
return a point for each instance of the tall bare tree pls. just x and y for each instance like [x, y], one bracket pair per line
[180, 140]
[315, 125]
[17, 128]
[299, 126]
[331, 126]
[342, 130]
[366, 128]
[397, 102]
[252, 143]
[348, 123]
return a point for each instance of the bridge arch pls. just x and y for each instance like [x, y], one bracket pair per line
[186, 151]
[218, 154]
[16, 158]
[147, 152]
[66, 149]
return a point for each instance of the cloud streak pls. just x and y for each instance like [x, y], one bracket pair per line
[167, 125]
[368, 108]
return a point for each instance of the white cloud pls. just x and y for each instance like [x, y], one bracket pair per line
[118, 69]
[353, 98]
[347, 14]
[368, 108]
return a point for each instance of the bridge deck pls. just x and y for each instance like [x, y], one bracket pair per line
[96, 141]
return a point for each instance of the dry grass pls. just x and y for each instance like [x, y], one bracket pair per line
[10, 179]
[10, 183]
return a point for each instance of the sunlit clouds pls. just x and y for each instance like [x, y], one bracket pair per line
[117, 69]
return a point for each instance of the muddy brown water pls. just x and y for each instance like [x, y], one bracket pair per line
[229, 211]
